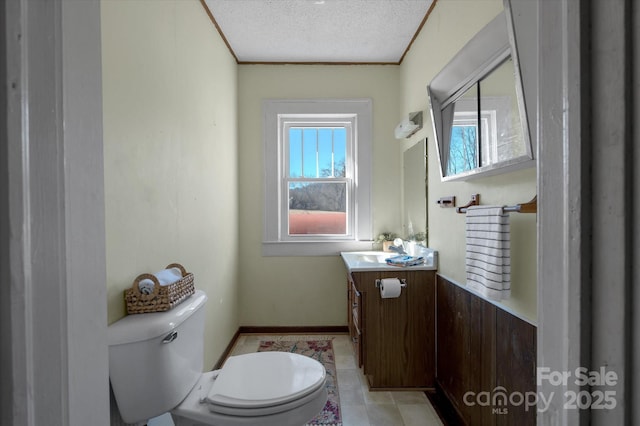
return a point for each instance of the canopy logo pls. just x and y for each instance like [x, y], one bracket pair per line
[500, 401]
[593, 393]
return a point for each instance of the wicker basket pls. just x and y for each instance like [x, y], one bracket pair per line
[163, 297]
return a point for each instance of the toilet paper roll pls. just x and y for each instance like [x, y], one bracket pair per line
[390, 288]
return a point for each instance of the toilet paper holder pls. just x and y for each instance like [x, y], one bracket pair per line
[403, 282]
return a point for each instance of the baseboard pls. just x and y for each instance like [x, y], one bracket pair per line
[328, 329]
[325, 329]
[227, 351]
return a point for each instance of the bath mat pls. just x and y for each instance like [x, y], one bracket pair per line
[321, 351]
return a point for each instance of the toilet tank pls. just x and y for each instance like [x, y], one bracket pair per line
[155, 359]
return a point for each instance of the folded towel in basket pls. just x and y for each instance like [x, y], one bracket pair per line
[165, 277]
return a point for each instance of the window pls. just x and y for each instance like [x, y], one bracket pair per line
[316, 179]
[317, 176]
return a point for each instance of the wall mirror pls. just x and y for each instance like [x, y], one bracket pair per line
[414, 190]
[477, 107]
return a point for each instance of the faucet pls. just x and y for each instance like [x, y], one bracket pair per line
[398, 246]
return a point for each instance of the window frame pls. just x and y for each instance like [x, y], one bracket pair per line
[276, 114]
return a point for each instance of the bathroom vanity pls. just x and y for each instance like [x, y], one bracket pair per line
[393, 338]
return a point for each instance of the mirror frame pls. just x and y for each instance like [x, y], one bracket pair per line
[493, 44]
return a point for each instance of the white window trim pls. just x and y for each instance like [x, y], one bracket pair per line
[273, 109]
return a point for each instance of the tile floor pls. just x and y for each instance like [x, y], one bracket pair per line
[360, 407]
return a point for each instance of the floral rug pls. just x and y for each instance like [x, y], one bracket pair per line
[322, 351]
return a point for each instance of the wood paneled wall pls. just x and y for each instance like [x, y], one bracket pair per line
[484, 352]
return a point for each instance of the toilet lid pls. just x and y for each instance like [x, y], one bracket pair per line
[264, 379]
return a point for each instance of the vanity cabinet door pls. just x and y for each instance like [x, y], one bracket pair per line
[398, 334]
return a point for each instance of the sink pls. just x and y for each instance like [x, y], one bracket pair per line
[376, 260]
[372, 256]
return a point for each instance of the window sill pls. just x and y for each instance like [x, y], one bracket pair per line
[312, 248]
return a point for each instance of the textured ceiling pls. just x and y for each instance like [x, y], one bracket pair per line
[343, 31]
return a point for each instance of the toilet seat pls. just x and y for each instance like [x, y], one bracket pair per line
[198, 409]
[263, 383]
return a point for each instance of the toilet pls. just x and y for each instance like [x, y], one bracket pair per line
[156, 363]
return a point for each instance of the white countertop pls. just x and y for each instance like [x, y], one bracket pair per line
[361, 261]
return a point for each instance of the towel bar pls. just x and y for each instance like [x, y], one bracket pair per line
[529, 207]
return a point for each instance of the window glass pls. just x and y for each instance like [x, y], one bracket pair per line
[295, 152]
[317, 207]
[340, 151]
[309, 152]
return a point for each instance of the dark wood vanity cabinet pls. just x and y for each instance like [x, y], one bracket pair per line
[394, 338]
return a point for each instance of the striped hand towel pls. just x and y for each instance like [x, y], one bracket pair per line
[488, 259]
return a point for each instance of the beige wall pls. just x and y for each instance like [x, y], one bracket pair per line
[451, 24]
[298, 291]
[170, 154]
[184, 166]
